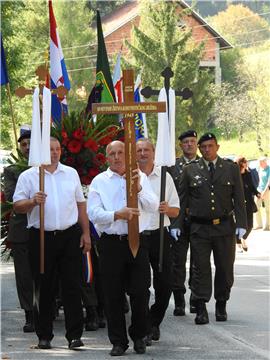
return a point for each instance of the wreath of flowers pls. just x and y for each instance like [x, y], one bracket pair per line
[83, 142]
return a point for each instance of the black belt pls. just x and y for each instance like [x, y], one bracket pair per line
[204, 221]
[54, 232]
[121, 237]
[150, 232]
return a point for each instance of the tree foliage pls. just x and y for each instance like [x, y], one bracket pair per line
[240, 25]
[25, 30]
[245, 107]
[159, 42]
[105, 7]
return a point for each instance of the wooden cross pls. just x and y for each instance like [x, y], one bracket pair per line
[21, 92]
[129, 108]
[186, 93]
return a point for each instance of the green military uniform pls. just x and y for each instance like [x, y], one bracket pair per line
[19, 238]
[215, 208]
[180, 247]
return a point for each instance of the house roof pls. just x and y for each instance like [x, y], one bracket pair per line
[223, 42]
[129, 11]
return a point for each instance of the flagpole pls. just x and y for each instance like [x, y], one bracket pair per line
[12, 113]
[41, 188]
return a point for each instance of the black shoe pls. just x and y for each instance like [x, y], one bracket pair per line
[202, 314]
[29, 322]
[139, 346]
[179, 311]
[192, 305]
[221, 314]
[44, 344]
[75, 343]
[117, 350]
[155, 333]
[148, 340]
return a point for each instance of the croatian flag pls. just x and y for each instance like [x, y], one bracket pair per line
[59, 75]
[118, 80]
[140, 118]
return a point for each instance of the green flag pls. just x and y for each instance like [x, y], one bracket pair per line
[103, 74]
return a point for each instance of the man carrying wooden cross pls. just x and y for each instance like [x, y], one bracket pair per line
[120, 271]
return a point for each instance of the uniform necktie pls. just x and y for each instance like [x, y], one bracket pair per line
[211, 169]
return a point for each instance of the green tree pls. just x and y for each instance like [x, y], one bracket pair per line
[25, 30]
[240, 25]
[160, 42]
[105, 7]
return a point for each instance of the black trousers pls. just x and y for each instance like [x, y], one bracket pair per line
[120, 272]
[249, 222]
[223, 248]
[162, 281]
[62, 253]
[23, 275]
[179, 254]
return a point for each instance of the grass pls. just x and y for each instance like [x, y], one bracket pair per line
[248, 147]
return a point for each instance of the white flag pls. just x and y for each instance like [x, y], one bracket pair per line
[165, 147]
[39, 153]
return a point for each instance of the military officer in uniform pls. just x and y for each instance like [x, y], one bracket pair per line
[19, 237]
[212, 196]
[180, 226]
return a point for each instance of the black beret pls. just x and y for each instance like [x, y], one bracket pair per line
[188, 133]
[25, 133]
[207, 136]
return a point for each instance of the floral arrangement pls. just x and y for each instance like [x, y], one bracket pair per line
[84, 142]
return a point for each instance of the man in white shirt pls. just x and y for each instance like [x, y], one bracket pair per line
[64, 207]
[162, 281]
[120, 271]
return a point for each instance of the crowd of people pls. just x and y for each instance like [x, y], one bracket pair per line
[208, 208]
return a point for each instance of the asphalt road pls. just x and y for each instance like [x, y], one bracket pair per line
[244, 336]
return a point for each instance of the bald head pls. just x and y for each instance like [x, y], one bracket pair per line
[113, 144]
[115, 152]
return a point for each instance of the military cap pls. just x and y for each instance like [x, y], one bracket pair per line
[25, 132]
[207, 136]
[188, 133]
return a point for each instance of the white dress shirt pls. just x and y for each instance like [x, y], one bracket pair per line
[171, 195]
[63, 189]
[107, 194]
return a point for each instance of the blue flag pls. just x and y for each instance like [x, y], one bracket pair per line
[4, 75]
[139, 124]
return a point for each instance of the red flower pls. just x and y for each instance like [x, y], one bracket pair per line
[91, 144]
[79, 170]
[93, 172]
[78, 134]
[65, 142]
[86, 180]
[100, 158]
[105, 140]
[69, 161]
[112, 130]
[74, 146]
[64, 134]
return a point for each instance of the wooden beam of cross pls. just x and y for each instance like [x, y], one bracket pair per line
[147, 92]
[21, 92]
[129, 108]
